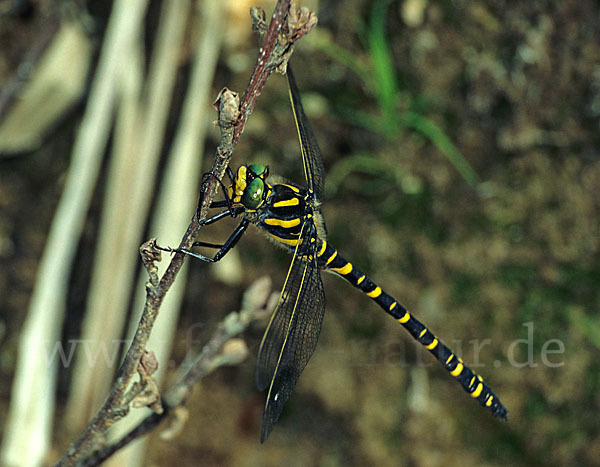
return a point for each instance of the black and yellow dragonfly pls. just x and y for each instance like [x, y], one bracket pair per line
[291, 215]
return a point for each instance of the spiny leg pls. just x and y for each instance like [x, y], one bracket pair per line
[216, 204]
[224, 249]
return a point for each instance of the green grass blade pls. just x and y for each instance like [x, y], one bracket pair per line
[441, 141]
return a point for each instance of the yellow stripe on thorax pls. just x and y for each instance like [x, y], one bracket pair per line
[292, 187]
[286, 203]
[282, 223]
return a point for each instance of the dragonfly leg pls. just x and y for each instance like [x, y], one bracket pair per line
[228, 245]
[233, 212]
[217, 217]
[217, 204]
[208, 245]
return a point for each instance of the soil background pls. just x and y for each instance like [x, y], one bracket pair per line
[499, 256]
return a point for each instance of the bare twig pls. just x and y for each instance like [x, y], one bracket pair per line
[222, 349]
[285, 28]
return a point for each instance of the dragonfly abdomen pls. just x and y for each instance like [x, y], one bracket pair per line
[330, 259]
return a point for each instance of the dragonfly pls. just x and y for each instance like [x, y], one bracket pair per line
[291, 215]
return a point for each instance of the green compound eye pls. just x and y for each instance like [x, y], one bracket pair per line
[253, 194]
[258, 169]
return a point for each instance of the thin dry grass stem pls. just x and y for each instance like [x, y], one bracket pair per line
[179, 181]
[139, 133]
[29, 426]
[284, 29]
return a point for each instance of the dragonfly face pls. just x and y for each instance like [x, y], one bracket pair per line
[249, 187]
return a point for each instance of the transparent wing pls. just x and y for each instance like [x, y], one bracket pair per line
[291, 337]
[311, 154]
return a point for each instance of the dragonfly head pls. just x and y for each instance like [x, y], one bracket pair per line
[249, 186]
